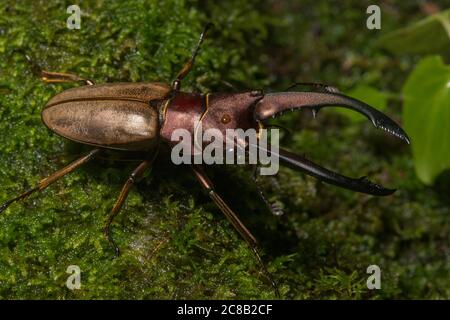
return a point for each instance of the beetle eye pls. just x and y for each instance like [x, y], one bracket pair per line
[225, 119]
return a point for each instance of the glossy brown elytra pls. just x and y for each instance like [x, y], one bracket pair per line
[141, 116]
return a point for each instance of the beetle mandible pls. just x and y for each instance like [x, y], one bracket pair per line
[140, 116]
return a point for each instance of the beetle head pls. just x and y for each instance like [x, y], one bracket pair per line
[274, 104]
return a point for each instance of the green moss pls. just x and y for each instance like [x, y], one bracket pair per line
[175, 243]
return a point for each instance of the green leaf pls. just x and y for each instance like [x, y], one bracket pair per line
[426, 115]
[369, 95]
[428, 36]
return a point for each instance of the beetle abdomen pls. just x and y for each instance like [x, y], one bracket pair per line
[110, 123]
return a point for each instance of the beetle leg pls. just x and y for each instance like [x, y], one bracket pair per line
[134, 176]
[273, 207]
[55, 77]
[176, 84]
[52, 77]
[44, 183]
[234, 220]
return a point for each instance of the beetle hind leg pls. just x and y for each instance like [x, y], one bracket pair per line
[54, 77]
[44, 183]
[235, 221]
[176, 84]
[58, 77]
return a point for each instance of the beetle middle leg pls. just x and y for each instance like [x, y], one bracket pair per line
[44, 183]
[134, 176]
[274, 208]
[234, 220]
[57, 77]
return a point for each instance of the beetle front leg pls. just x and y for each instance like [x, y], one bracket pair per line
[234, 220]
[176, 84]
[54, 77]
[58, 77]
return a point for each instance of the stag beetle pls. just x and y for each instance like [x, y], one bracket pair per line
[138, 116]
